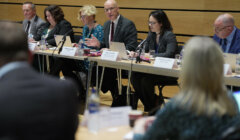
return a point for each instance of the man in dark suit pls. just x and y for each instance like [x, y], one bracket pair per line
[32, 106]
[117, 29]
[32, 24]
[227, 34]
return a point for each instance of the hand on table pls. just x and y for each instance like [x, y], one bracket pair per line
[142, 124]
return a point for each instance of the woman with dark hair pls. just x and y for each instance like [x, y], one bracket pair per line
[56, 24]
[162, 41]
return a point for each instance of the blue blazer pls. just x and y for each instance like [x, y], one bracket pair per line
[235, 45]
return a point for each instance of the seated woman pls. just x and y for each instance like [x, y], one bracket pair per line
[162, 41]
[87, 15]
[57, 25]
[202, 109]
[91, 28]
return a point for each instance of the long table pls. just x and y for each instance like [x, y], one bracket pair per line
[116, 133]
[149, 68]
[50, 53]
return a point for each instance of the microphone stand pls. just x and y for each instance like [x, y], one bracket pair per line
[138, 58]
[63, 41]
[140, 46]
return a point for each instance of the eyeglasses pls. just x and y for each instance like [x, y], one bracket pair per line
[109, 9]
[151, 23]
[220, 29]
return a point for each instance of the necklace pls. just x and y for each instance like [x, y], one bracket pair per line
[90, 29]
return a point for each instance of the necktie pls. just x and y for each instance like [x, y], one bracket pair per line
[224, 44]
[28, 26]
[112, 31]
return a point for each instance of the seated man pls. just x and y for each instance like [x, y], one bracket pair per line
[33, 106]
[227, 34]
[116, 29]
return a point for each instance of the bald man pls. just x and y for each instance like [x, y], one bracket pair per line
[116, 29]
[227, 34]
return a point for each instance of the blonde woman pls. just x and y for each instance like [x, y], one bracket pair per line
[87, 15]
[202, 109]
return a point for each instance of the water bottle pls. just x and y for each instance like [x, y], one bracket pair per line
[43, 43]
[93, 108]
[237, 67]
[80, 48]
[30, 36]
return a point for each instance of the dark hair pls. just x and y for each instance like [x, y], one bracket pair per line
[56, 12]
[13, 42]
[32, 5]
[162, 18]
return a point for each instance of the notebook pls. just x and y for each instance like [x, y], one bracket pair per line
[230, 58]
[67, 43]
[119, 47]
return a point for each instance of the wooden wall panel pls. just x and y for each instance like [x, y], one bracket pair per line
[191, 22]
[165, 4]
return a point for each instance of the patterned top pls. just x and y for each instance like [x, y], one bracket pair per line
[97, 32]
[174, 123]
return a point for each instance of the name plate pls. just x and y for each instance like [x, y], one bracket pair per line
[163, 62]
[227, 70]
[32, 46]
[69, 51]
[109, 55]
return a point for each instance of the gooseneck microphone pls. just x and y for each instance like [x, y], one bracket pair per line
[63, 40]
[140, 47]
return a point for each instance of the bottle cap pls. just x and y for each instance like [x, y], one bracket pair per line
[93, 90]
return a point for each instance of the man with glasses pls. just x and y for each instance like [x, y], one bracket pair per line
[227, 34]
[117, 29]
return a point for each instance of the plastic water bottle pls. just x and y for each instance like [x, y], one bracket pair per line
[237, 67]
[43, 43]
[80, 48]
[93, 108]
[30, 36]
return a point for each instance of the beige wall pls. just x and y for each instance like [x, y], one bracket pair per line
[190, 17]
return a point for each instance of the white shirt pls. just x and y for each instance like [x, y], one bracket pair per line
[11, 66]
[115, 26]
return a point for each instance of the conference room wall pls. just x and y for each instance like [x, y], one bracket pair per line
[188, 17]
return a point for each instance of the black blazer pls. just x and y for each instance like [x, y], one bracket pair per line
[37, 107]
[61, 28]
[167, 44]
[125, 32]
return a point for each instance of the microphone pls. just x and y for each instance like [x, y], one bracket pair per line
[141, 43]
[63, 40]
[138, 58]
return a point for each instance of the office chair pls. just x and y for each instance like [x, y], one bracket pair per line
[173, 82]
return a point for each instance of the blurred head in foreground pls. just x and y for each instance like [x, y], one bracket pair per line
[13, 43]
[203, 90]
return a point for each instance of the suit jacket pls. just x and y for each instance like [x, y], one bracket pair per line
[167, 44]
[37, 27]
[235, 45]
[36, 107]
[125, 32]
[60, 28]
